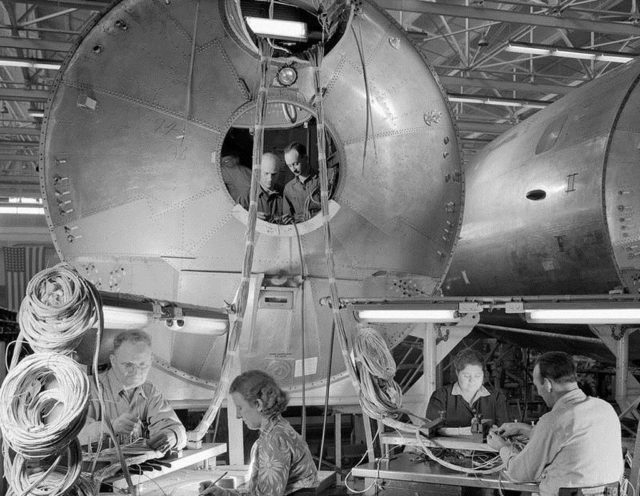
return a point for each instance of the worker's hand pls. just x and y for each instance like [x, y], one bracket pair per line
[511, 429]
[209, 488]
[496, 441]
[163, 441]
[124, 424]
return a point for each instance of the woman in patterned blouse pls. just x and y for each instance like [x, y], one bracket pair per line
[281, 462]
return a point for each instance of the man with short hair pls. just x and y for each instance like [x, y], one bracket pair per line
[299, 202]
[576, 444]
[269, 195]
[135, 407]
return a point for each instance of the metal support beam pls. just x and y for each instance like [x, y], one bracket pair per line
[482, 127]
[430, 358]
[622, 369]
[6, 157]
[76, 4]
[34, 44]
[495, 84]
[572, 23]
[19, 131]
[23, 95]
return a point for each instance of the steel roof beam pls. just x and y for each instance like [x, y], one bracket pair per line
[76, 4]
[14, 157]
[19, 131]
[495, 84]
[34, 44]
[573, 23]
[482, 127]
[23, 95]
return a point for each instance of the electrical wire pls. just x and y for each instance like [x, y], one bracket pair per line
[57, 310]
[44, 401]
[56, 480]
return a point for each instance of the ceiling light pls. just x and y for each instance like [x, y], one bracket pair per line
[125, 318]
[504, 102]
[277, 28]
[29, 63]
[19, 210]
[571, 53]
[36, 113]
[409, 312]
[584, 313]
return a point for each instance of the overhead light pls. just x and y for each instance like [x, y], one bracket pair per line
[503, 102]
[277, 28]
[36, 113]
[584, 313]
[571, 53]
[125, 318]
[29, 63]
[198, 325]
[19, 210]
[287, 75]
[410, 312]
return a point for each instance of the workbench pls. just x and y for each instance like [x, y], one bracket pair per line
[402, 474]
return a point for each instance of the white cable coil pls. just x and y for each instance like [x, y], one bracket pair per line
[380, 395]
[57, 309]
[44, 401]
[29, 477]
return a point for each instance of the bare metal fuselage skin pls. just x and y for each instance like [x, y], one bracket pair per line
[130, 169]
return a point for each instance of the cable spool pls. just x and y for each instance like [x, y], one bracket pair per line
[44, 401]
[57, 309]
[29, 477]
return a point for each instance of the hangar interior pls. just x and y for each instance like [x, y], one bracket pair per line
[474, 188]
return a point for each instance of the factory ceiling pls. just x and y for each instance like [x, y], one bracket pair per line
[470, 43]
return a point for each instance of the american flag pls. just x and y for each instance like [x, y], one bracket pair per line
[21, 263]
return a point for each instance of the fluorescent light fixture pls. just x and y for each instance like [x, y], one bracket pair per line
[36, 113]
[504, 102]
[407, 315]
[571, 53]
[29, 63]
[15, 210]
[125, 318]
[277, 28]
[603, 312]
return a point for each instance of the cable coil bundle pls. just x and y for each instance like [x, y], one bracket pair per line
[30, 478]
[380, 396]
[57, 309]
[44, 401]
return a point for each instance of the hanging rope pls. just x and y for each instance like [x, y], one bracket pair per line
[240, 302]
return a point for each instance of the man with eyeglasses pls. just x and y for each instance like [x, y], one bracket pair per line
[135, 407]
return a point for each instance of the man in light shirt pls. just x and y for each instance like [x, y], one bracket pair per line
[135, 407]
[576, 444]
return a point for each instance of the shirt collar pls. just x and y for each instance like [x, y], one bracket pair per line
[116, 386]
[483, 391]
[570, 397]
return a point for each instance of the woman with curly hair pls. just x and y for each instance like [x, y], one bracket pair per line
[281, 462]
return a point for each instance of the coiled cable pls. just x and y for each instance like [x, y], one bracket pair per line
[57, 310]
[28, 478]
[44, 400]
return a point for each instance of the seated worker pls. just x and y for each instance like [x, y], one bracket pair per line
[576, 444]
[269, 195]
[236, 177]
[135, 407]
[281, 462]
[302, 193]
[467, 398]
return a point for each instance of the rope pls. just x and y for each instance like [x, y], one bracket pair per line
[57, 310]
[44, 402]
[240, 301]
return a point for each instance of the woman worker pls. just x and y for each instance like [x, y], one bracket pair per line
[467, 398]
[281, 462]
